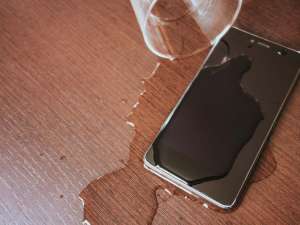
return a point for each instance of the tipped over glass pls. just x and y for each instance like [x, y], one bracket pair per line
[180, 28]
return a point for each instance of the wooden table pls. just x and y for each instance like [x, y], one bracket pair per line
[71, 73]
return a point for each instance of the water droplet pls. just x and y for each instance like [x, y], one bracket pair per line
[205, 205]
[131, 124]
[124, 101]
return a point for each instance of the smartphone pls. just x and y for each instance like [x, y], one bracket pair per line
[209, 144]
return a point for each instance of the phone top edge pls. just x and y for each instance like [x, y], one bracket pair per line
[265, 39]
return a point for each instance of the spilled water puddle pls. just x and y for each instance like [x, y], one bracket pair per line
[132, 195]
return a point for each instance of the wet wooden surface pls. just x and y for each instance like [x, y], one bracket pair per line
[71, 73]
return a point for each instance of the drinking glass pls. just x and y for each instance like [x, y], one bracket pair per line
[179, 28]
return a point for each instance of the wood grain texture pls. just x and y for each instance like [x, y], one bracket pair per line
[70, 74]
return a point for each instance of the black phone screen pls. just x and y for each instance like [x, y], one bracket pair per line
[216, 133]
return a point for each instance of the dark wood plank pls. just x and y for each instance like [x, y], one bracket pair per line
[71, 73]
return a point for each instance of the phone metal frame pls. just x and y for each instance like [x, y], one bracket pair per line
[171, 178]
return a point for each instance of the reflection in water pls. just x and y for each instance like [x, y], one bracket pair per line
[216, 114]
[132, 195]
